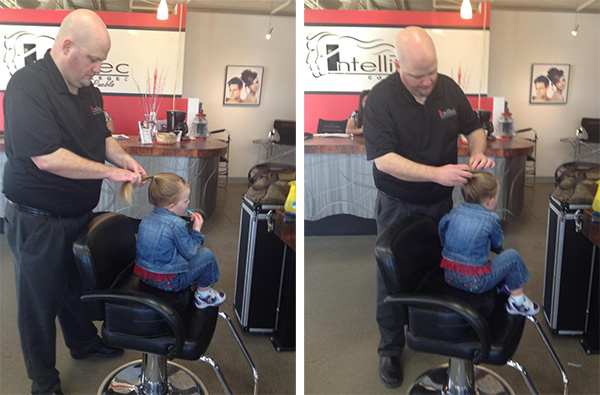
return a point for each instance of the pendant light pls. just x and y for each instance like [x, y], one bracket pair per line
[163, 11]
[268, 35]
[466, 12]
[575, 30]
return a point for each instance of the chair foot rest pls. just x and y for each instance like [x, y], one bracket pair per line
[126, 379]
[435, 381]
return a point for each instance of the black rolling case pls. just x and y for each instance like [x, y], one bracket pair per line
[259, 266]
[568, 271]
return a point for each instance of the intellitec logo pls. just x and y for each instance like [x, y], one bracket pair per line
[334, 54]
[22, 48]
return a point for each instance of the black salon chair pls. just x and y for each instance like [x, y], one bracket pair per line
[281, 143]
[468, 328]
[327, 126]
[162, 325]
[223, 159]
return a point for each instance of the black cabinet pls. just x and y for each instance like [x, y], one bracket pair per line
[568, 272]
[259, 269]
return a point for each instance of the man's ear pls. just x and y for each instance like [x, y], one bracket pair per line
[67, 46]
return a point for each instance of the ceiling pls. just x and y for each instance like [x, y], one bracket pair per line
[288, 7]
[587, 6]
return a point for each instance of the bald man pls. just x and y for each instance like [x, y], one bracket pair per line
[56, 144]
[411, 124]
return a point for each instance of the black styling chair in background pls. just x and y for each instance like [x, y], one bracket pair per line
[223, 159]
[162, 325]
[326, 126]
[468, 328]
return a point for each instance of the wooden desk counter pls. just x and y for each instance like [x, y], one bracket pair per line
[335, 145]
[341, 145]
[338, 178]
[197, 161]
[191, 149]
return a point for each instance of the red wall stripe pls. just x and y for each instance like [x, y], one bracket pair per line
[394, 18]
[126, 111]
[111, 19]
[338, 107]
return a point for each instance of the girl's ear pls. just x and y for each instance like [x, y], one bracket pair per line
[170, 207]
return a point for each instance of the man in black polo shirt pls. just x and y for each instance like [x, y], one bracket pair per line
[56, 143]
[411, 125]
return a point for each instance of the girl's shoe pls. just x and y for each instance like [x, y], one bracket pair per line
[213, 298]
[527, 308]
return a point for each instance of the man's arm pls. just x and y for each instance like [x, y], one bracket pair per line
[407, 170]
[65, 163]
[116, 155]
[477, 147]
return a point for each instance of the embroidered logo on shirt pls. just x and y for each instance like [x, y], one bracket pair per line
[447, 113]
[96, 110]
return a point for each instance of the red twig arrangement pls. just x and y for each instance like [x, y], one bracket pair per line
[150, 98]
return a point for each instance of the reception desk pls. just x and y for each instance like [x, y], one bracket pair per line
[338, 180]
[196, 161]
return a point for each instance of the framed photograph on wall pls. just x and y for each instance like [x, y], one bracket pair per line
[549, 83]
[243, 85]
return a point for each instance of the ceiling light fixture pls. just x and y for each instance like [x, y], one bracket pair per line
[466, 12]
[268, 35]
[163, 11]
[575, 31]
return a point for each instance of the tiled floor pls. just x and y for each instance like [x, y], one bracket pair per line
[341, 334]
[277, 370]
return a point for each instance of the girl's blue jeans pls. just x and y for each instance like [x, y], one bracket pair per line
[506, 266]
[203, 270]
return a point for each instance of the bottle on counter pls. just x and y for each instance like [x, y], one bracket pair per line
[506, 126]
[200, 124]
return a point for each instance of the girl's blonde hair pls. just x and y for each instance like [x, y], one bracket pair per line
[479, 188]
[163, 190]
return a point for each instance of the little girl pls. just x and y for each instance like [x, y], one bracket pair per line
[168, 256]
[468, 233]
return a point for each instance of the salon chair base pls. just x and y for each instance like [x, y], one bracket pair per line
[460, 377]
[152, 375]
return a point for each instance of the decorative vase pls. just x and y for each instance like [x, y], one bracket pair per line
[151, 119]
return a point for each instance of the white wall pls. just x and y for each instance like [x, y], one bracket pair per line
[519, 39]
[215, 40]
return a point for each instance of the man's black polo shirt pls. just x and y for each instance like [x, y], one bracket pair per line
[427, 134]
[41, 116]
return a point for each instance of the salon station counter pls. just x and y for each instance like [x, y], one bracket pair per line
[196, 161]
[338, 179]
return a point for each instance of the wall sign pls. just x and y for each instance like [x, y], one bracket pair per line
[132, 53]
[354, 58]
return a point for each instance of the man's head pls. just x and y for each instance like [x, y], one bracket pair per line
[80, 47]
[235, 88]
[541, 86]
[416, 61]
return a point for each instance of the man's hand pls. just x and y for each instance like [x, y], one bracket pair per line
[123, 175]
[479, 161]
[452, 175]
[132, 165]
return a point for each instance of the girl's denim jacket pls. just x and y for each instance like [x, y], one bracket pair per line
[164, 244]
[468, 233]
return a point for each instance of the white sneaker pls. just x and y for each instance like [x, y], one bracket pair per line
[214, 298]
[527, 308]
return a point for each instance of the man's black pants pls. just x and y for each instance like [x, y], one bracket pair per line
[48, 285]
[391, 323]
